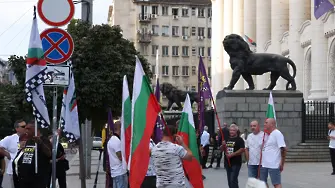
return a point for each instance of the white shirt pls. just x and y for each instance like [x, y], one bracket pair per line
[205, 138]
[332, 140]
[11, 145]
[167, 158]
[271, 154]
[254, 144]
[116, 167]
[151, 168]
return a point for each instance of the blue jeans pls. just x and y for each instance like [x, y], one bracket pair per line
[120, 181]
[232, 175]
[253, 171]
[274, 173]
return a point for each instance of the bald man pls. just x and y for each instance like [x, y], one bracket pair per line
[117, 172]
[273, 154]
[253, 149]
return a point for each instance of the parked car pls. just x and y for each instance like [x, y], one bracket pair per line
[97, 142]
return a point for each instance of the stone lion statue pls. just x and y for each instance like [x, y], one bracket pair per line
[177, 96]
[245, 63]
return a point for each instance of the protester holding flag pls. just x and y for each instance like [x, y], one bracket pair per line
[167, 158]
[150, 177]
[273, 153]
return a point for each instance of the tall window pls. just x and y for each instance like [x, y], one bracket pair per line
[155, 29]
[209, 72]
[209, 51]
[194, 31]
[165, 50]
[165, 10]
[175, 70]
[193, 11]
[165, 30]
[194, 51]
[165, 70]
[201, 12]
[184, 12]
[201, 31]
[185, 71]
[209, 12]
[153, 69]
[175, 11]
[154, 10]
[185, 50]
[154, 49]
[185, 31]
[194, 70]
[175, 50]
[201, 51]
[175, 31]
[209, 33]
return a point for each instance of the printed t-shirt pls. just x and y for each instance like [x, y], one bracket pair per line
[233, 145]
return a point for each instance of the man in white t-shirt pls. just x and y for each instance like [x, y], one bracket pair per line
[253, 149]
[331, 137]
[273, 154]
[9, 147]
[118, 173]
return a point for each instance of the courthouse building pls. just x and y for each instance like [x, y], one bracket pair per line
[286, 27]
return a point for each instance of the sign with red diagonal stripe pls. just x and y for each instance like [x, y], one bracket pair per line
[57, 45]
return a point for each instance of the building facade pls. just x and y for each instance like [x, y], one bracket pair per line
[179, 29]
[286, 27]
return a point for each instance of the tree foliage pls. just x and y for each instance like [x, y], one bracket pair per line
[100, 60]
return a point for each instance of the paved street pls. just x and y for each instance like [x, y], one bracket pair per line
[295, 175]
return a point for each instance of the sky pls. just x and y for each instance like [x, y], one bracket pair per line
[16, 20]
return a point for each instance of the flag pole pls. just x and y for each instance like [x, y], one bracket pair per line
[36, 160]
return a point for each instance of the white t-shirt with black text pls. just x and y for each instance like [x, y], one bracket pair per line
[254, 145]
[116, 167]
[271, 154]
[11, 144]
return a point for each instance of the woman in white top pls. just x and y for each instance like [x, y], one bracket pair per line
[331, 138]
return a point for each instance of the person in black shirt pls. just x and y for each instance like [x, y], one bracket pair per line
[27, 177]
[234, 147]
[217, 153]
[2, 169]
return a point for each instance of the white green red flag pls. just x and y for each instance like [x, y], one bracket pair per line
[271, 112]
[145, 109]
[187, 130]
[69, 112]
[125, 123]
[36, 75]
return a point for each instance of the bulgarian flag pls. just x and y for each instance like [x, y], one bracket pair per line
[187, 130]
[271, 112]
[145, 109]
[125, 123]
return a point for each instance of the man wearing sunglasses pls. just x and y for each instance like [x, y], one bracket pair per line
[9, 147]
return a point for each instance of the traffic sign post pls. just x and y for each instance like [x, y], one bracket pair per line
[57, 45]
[55, 12]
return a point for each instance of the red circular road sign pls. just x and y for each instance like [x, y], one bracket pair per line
[57, 45]
[55, 12]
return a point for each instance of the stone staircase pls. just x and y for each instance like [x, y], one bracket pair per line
[310, 151]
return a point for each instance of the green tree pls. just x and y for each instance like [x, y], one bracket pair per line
[100, 59]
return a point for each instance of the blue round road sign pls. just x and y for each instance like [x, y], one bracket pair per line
[57, 45]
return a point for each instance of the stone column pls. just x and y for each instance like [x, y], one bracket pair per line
[319, 60]
[249, 22]
[299, 11]
[279, 24]
[217, 47]
[227, 29]
[263, 33]
[238, 29]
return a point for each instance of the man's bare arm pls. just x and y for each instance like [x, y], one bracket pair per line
[5, 153]
[119, 155]
[283, 154]
[247, 154]
[238, 152]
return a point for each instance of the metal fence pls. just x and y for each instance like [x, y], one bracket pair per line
[315, 118]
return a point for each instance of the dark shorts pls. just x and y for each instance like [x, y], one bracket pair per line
[253, 171]
[274, 173]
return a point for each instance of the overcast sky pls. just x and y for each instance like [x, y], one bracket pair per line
[16, 19]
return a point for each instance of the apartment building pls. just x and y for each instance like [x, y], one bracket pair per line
[179, 29]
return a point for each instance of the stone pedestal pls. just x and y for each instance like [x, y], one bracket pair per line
[243, 106]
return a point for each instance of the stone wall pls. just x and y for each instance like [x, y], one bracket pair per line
[244, 106]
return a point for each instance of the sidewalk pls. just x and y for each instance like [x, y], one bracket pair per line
[73, 174]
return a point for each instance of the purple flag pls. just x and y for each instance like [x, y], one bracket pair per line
[158, 131]
[321, 7]
[204, 92]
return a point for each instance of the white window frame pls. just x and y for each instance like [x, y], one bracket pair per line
[165, 50]
[175, 50]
